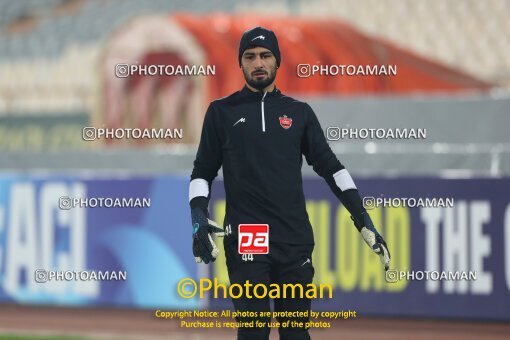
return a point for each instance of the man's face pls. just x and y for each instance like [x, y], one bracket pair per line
[259, 67]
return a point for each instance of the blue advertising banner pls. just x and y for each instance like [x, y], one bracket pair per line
[450, 254]
[150, 245]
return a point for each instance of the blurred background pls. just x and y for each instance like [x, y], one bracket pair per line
[58, 75]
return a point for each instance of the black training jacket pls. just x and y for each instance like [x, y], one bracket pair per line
[260, 140]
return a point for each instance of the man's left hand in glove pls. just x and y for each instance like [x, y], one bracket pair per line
[364, 224]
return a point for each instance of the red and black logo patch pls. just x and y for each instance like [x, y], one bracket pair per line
[285, 122]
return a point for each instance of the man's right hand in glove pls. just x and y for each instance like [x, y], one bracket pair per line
[204, 248]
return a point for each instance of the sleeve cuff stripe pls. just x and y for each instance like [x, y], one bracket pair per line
[344, 180]
[198, 187]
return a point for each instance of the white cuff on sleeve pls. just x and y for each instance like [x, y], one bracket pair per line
[344, 180]
[198, 187]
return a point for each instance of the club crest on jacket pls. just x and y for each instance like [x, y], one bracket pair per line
[285, 122]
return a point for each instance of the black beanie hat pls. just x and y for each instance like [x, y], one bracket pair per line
[259, 36]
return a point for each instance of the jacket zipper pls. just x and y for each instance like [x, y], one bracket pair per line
[262, 113]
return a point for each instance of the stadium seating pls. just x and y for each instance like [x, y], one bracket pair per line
[66, 36]
[50, 48]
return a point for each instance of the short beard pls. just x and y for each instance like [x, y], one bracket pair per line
[260, 84]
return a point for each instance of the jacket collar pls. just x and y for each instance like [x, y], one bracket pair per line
[245, 91]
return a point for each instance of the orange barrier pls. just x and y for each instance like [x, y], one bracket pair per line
[325, 42]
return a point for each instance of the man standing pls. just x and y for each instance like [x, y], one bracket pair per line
[259, 137]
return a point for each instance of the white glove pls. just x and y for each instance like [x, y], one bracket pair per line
[378, 245]
[374, 240]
